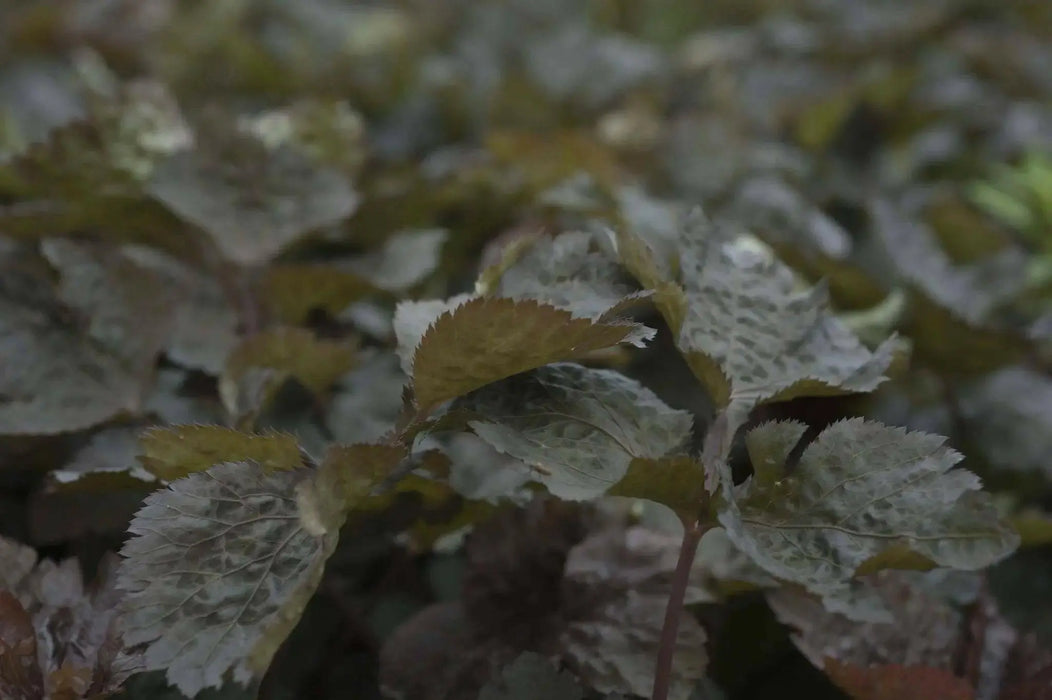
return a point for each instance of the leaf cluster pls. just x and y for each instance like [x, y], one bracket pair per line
[513, 349]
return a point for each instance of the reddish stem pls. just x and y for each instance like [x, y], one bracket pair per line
[663, 674]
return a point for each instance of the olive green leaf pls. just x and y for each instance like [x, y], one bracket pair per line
[175, 452]
[485, 340]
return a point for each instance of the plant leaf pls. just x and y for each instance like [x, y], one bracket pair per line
[106, 462]
[751, 338]
[205, 323]
[173, 453]
[676, 482]
[578, 428]
[287, 352]
[918, 629]
[485, 340]
[532, 677]
[291, 291]
[253, 202]
[64, 368]
[569, 272]
[1007, 414]
[61, 634]
[218, 570]
[406, 259]
[898, 682]
[860, 490]
[413, 319]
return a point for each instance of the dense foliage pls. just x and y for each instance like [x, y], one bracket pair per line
[525, 349]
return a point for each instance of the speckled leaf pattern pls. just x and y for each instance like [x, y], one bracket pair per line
[750, 336]
[579, 428]
[570, 272]
[124, 301]
[485, 340]
[860, 490]
[920, 629]
[253, 202]
[219, 568]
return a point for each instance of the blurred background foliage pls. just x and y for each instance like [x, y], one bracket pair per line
[898, 150]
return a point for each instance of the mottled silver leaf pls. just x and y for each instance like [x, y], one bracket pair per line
[252, 201]
[751, 336]
[571, 271]
[922, 630]
[205, 322]
[217, 571]
[579, 428]
[861, 491]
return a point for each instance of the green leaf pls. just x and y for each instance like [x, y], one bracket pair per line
[107, 462]
[413, 319]
[920, 629]
[532, 677]
[406, 259]
[292, 291]
[347, 475]
[860, 491]
[204, 322]
[1008, 416]
[485, 340]
[971, 292]
[571, 272]
[80, 354]
[578, 428]
[751, 337]
[677, 482]
[218, 570]
[254, 203]
[172, 453]
[124, 303]
[286, 352]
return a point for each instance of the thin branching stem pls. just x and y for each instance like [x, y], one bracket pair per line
[663, 674]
